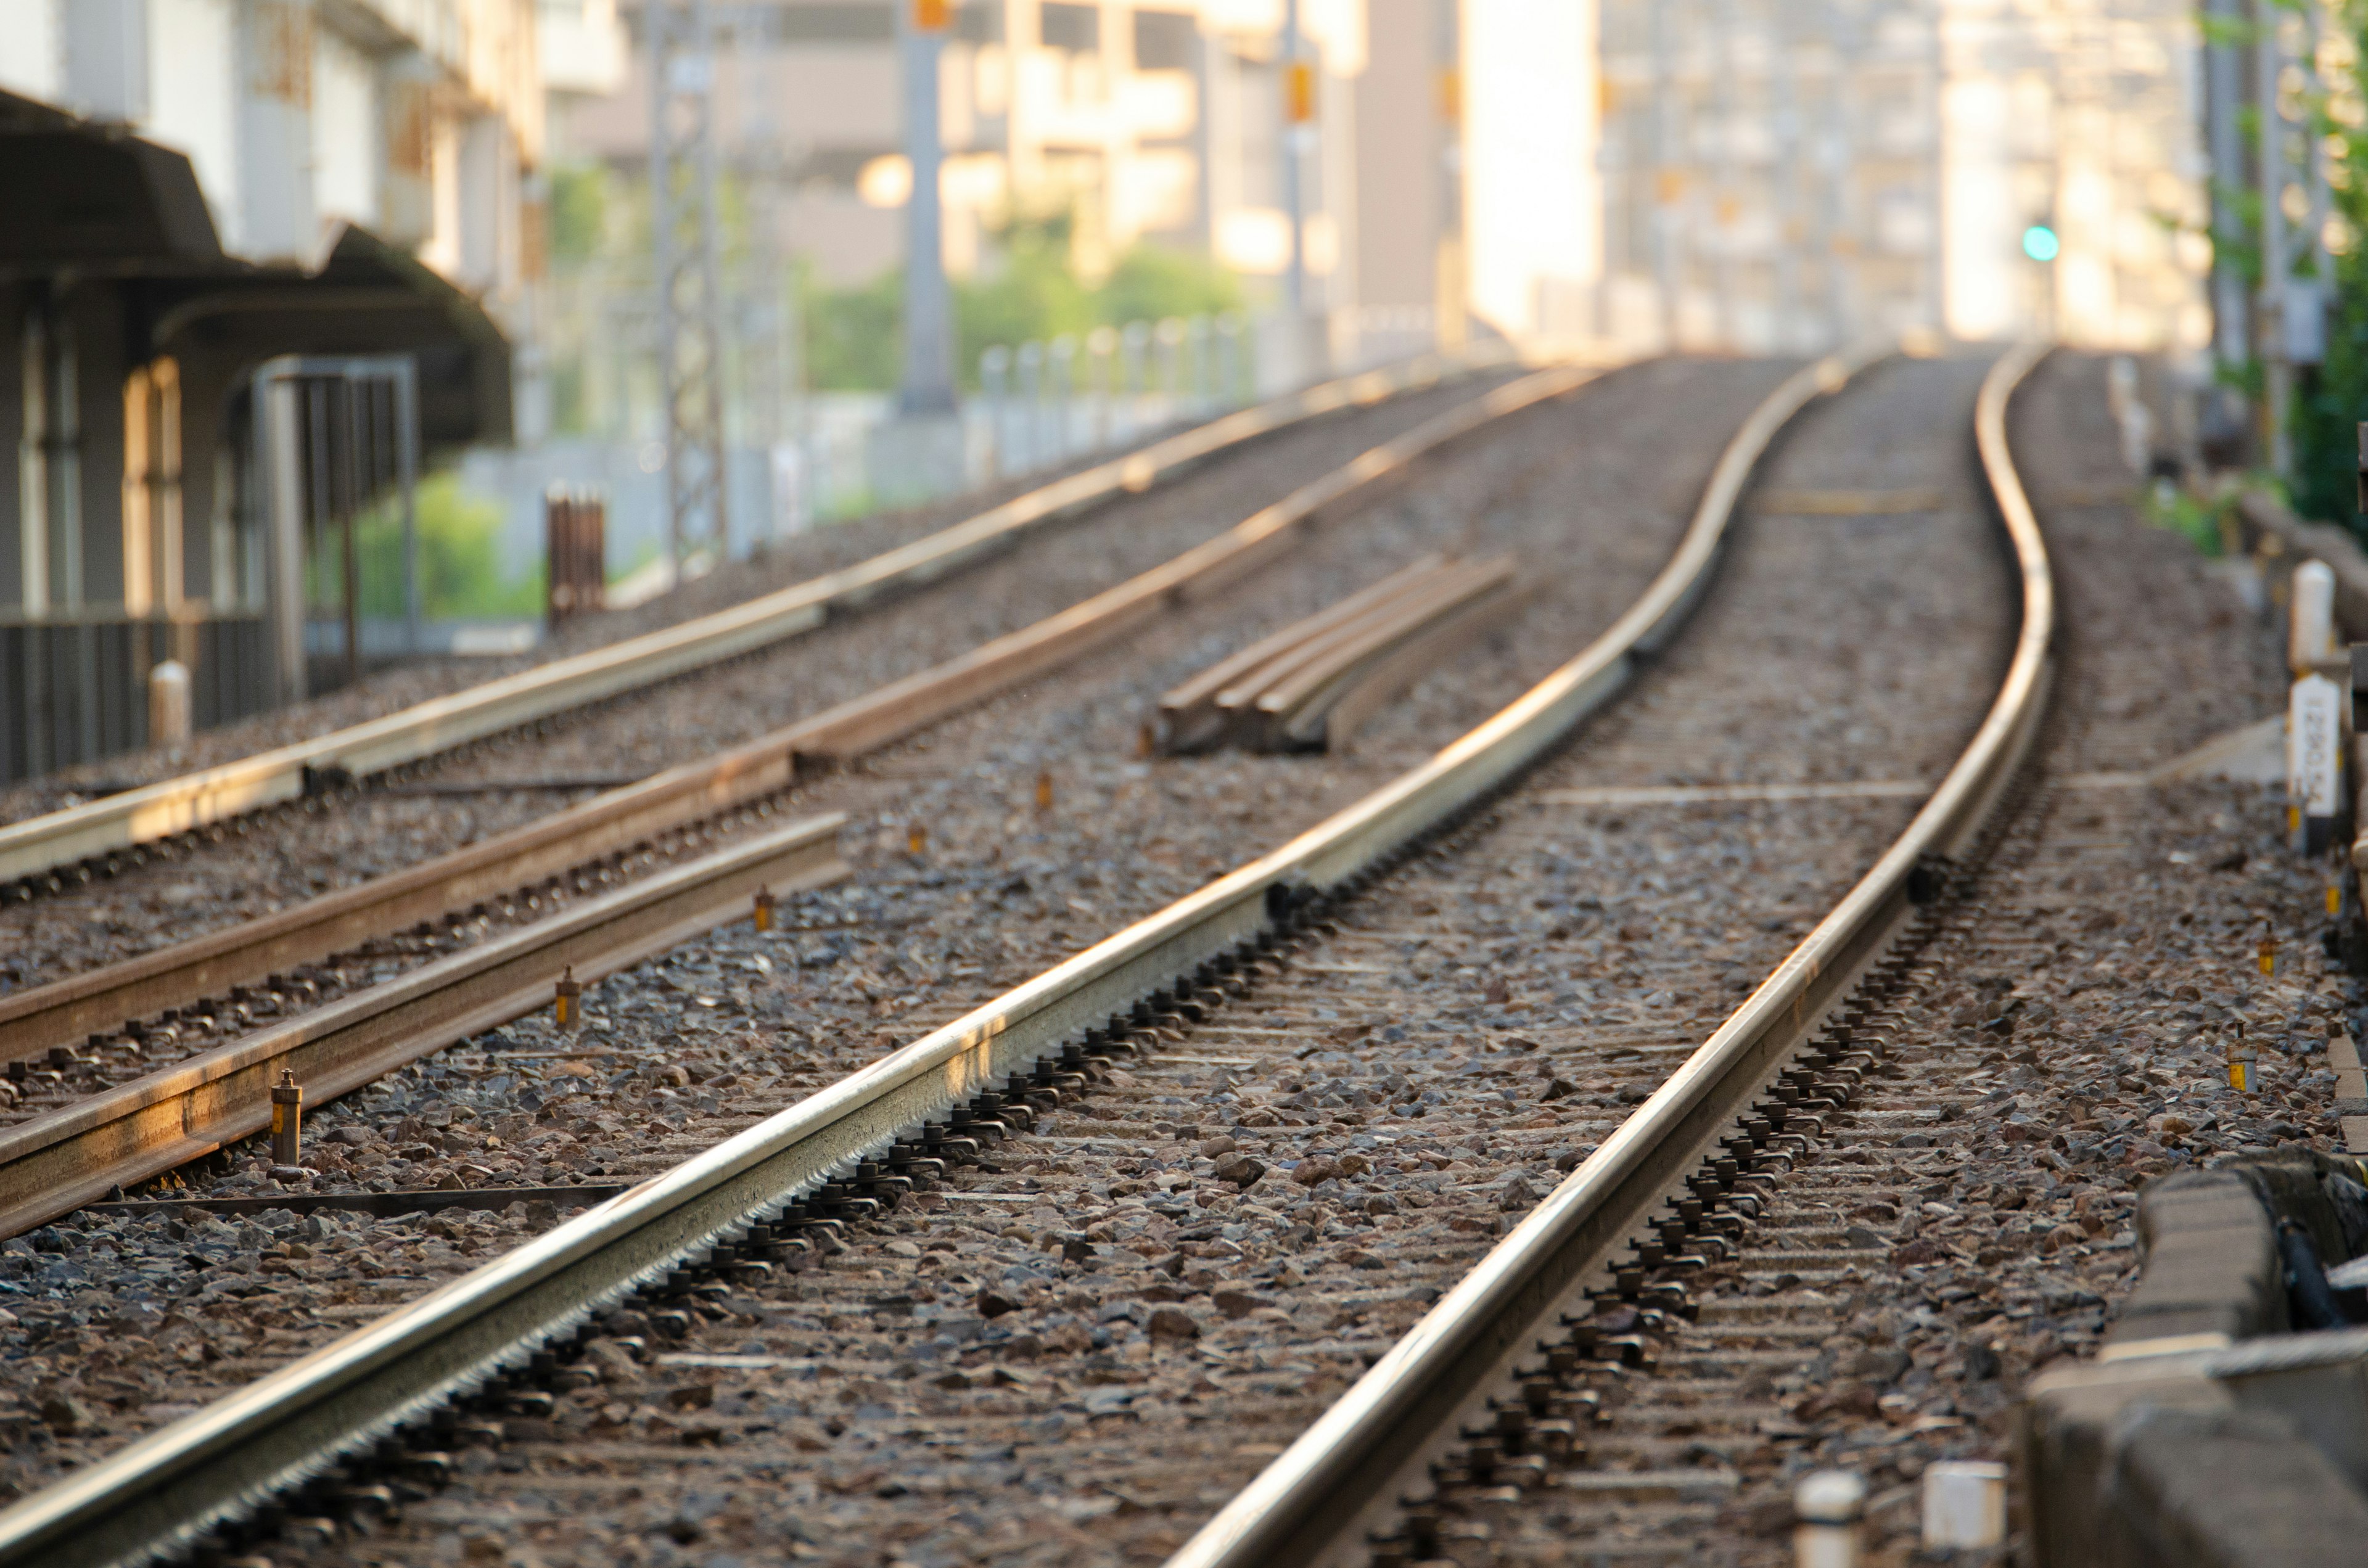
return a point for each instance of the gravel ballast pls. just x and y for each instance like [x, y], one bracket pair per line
[679, 1053]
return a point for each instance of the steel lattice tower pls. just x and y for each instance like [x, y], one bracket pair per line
[689, 278]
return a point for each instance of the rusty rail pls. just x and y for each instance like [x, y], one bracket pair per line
[54, 1163]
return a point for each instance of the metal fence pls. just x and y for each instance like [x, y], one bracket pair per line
[335, 438]
[1049, 402]
[74, 688]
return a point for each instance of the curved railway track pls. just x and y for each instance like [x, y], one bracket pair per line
[1479, 1397]
[988, 1067]
[1059, 1359]
[1228, 1187]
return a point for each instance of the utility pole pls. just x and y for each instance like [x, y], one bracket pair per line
[690, 290]
[1668, 184]
[1836, 157]
[1448, 284]
[2277, 265]
[928, 385]
[1725, 206]
[1298, 135]
[2223, 103]
[1784, 63]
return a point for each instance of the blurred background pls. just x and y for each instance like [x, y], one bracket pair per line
[339, 331]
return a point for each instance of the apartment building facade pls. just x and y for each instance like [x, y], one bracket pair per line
[1140, 120]
[1778, 177]
[194, 190]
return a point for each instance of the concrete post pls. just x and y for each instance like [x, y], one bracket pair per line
[1299, 134]
[2310, 640]
[929, 385]
[168, 704]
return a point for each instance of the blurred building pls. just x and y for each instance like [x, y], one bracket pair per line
[1781, 177]
[340, 196]
[1145, 119]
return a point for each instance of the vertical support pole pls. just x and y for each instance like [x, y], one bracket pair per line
[1667, 182]
[278, 461]
[684, 225]
[406, 396]
[2277, 265]
[1450, 325]
[1310, 348]
[929, 385]
[354, 387]
[2223, 101]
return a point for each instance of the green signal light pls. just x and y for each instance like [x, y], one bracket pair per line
[2040, 242]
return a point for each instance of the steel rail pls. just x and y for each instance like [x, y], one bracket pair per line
[118, 823]
[54, 1163]
[168, 1487]
[66, 1009]
[1313, 1503]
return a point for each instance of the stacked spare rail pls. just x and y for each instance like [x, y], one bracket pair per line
[121, 828]
[1308, 686]
[777, 1188]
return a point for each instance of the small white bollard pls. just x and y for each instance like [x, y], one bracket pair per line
[2310, 630]
[1965, 1504]
[168, 704]
[2314, 760]
[1831, 1507]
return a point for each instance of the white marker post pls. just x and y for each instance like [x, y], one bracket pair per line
[2313, 761]
[168, 704]
[1965, 1504]
[2310, 630]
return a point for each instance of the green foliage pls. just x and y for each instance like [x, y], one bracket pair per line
[460, 563]
[579, 212]
[854, 338]
[2194, 518]
[1035, 293]
[2329, 405]
[1151, 281]
[855, 335]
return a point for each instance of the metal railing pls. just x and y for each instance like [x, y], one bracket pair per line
[1047, 401]
[73, 685]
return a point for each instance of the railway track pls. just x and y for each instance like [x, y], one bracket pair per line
[152, 1119]
[1078, 1346]
[559, 1273]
